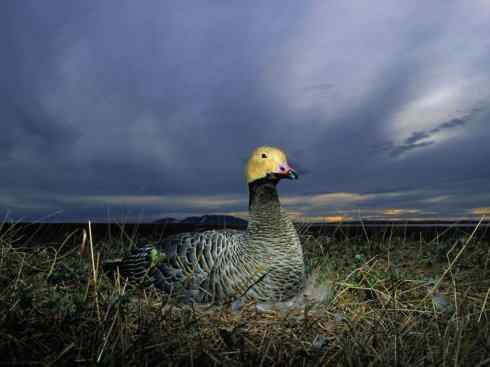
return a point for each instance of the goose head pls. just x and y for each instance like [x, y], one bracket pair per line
[268, 163]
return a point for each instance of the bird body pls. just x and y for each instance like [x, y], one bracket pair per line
[265, 262]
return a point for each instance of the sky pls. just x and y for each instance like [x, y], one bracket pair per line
[133, 111]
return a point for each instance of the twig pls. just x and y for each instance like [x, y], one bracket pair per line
[66, 350]
[106, 337]
[483, 306]
[57, 251]
[94, 269]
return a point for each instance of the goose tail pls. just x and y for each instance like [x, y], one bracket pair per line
[135, 266]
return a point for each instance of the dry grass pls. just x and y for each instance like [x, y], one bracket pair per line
[389, 302]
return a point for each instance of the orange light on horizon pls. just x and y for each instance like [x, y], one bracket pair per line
[398, 212]
[392, 211]
[323, 218]
[480, 211]
[300, 216]
[336, 218]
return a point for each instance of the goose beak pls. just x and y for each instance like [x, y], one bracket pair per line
[285, 171]
[292, 174]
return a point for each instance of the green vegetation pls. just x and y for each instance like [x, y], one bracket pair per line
[390, 302]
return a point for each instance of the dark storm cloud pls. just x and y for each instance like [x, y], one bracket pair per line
[174, 74]
[420, 139]
[108, 106]
[408, 146]
[449, 124]
[416, 137]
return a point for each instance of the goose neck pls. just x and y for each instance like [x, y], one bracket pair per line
[263, 194]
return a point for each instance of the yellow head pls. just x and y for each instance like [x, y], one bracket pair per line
[268, 162]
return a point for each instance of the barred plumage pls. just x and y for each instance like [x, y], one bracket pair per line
[265, 262]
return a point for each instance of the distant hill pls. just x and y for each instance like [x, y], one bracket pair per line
[215, 220]
[207, 220]
[166, 220]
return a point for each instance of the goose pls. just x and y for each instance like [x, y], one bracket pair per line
[264, 262]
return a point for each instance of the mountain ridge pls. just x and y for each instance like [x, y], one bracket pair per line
[208, 219]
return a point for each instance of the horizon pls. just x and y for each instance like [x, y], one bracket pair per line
[319, 220]
[141, 111]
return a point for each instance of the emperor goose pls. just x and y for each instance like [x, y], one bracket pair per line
[265, 262]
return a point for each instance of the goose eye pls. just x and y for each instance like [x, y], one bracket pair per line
[264, 155]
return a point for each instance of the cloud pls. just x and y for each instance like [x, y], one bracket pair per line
[422, 139]
[152, 201]
[417, 136]
[129, 108]
[12, 203]
[399, 212]
[438, 199]
[337, 198]
[399, 150]
[480, 211]
[449, 125]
